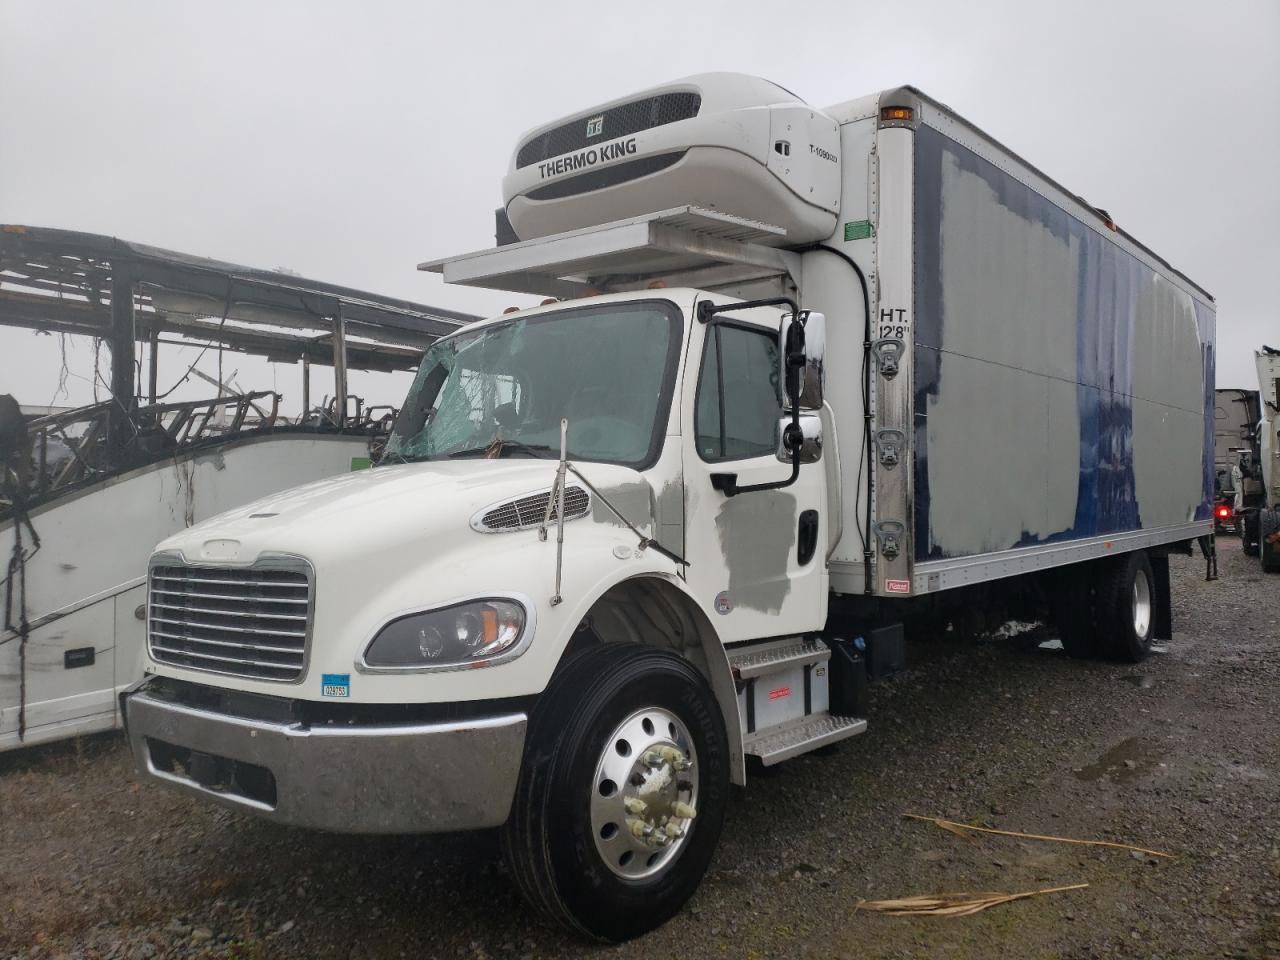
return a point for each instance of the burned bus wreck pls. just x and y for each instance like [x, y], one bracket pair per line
[85, 493]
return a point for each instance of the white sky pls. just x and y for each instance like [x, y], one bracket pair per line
[348, 142]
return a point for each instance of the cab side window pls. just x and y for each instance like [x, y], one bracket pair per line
[739, 400]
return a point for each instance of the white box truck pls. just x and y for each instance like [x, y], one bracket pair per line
[801, 376]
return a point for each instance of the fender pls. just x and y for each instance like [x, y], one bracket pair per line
[654, 581]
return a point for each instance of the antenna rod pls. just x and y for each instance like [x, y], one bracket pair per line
[559, 491]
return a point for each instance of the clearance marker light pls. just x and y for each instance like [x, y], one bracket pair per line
[897, 113]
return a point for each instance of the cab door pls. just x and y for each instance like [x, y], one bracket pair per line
[757, 559]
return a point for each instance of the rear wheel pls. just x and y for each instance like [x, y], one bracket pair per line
[1073, 605]
[1249, 531]
[1126, 603]
[623, 791]
[1269, 540]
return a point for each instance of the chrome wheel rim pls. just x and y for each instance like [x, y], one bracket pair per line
[645, 794]
[1141, 604]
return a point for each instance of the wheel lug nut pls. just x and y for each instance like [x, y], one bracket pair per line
[670, 754]
[634, 805]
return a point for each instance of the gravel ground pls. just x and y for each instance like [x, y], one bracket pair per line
[1179, 754]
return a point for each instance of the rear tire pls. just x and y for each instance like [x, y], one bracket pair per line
[1269, 526]
[1249, 531]
[1126, 607]
[592, 877]
[1073, 604]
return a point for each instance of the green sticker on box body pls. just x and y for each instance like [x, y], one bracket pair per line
[859, 230]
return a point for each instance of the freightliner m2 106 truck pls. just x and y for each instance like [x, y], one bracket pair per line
[801, 377]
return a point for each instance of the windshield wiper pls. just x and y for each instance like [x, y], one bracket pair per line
[494, 450]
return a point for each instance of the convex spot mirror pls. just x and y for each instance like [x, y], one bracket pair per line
[802, 356]
[809, 437]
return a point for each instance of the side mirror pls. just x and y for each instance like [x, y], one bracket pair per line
[809, 438]
[803, 359]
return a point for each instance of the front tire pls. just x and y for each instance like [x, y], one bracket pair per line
[631, 727]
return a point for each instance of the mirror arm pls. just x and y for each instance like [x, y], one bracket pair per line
[708, 310]
[727, 483]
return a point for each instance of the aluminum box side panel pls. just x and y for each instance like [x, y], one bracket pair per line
[1063, 386]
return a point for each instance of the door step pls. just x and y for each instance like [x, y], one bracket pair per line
[776, 657]
[777, 744]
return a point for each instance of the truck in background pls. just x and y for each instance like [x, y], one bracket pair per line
[85, 493]
[1259, 469]
[801, 377]
[1236, 419]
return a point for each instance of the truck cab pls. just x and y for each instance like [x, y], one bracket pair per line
[365, 653]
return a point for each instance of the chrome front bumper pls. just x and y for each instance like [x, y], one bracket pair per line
[385, 778]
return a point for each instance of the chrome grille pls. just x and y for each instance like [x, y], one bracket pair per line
[529, 511]
[243, 621]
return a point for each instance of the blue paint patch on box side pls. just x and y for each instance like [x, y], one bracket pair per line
[1109, 283]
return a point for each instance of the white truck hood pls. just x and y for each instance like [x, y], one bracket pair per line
[387, 506]
[393, 540]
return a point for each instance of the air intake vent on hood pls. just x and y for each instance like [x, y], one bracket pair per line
[619, 121]
[529, 511]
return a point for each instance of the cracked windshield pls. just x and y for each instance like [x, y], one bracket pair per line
[501, 391]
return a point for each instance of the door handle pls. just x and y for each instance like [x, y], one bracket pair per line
[807, 536]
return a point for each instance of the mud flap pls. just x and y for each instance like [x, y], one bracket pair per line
[1162, 627]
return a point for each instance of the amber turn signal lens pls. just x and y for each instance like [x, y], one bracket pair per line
[897, 113]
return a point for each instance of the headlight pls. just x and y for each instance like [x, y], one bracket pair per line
[454, 636]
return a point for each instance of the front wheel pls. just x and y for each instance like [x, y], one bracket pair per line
[623, 792]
